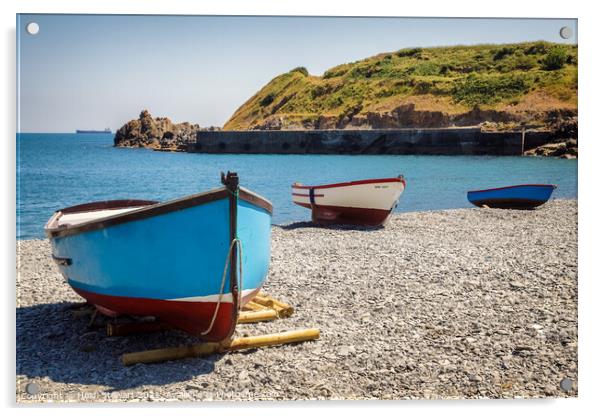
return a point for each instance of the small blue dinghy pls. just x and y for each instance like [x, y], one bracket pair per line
[512, 197]
[191, 262]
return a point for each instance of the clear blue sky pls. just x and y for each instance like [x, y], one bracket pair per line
[95, 71]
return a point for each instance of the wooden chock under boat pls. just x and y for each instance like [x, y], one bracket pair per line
[262, 302]
[247, 317]
[253, 306]
[284, 310]
[209, 348]
[130, 328]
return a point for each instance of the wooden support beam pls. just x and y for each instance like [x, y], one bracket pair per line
[284, 310]
[253, 306]
[209, 348]
[93, 318]
[79, 305]
[263, 300]
[129, 328]
[81, 313]
[257, 316]
[267, 340]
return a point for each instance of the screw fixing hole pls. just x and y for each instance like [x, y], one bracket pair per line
[32, 28]
[565, 32]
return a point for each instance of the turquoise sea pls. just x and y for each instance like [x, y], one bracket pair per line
[59, 170]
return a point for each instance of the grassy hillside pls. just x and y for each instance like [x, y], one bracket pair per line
[427, 87]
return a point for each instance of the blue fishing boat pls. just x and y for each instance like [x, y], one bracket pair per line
[512, 197]
[191, 262]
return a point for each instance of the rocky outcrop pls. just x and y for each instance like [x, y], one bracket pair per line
[158, 133]
[270, 123]
[406, 115]
[564, 124]
[565, 144]
[563, 149]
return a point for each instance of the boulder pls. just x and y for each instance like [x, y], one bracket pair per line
[405, 115]
[564, 150]
[155, 133]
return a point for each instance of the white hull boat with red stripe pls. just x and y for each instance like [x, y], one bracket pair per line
[366, 202]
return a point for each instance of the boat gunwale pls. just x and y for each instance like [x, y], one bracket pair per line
[152, 211]
[537, 185]
[351, 183]
[307, 195]
[107, 205]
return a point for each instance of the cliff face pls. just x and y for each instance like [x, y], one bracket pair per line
[156, 133]
[511, 85]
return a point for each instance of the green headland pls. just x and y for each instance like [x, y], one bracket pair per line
[524, 83]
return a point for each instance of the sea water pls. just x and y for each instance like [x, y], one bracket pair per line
[58, 170]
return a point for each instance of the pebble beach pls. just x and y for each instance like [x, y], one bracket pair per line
[466, 303]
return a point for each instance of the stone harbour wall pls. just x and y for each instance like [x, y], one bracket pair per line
[432, 141]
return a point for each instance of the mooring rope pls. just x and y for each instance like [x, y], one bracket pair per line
[239, 273]
[236, 194]
[236, 241]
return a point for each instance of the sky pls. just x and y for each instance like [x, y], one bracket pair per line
[97, 71]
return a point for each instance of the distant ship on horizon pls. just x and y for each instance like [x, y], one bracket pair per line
[107, 130]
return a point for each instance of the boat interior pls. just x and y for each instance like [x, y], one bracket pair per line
[80, 214]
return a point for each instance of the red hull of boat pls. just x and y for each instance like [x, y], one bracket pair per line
[192, 317]
[326, 215]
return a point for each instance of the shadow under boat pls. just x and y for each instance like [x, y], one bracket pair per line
[51, 342]
[339, 227]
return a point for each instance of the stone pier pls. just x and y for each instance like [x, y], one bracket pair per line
[439, 141]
